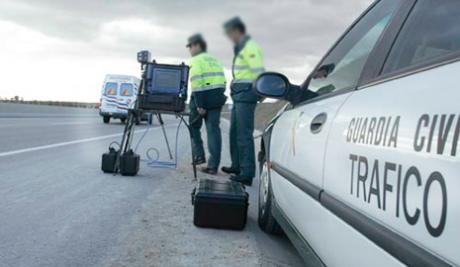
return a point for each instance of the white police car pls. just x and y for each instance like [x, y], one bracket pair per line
[363, 167]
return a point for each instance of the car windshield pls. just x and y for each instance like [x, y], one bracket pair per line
[111, 88]
[126, 89]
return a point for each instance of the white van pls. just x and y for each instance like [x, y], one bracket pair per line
[117, 96]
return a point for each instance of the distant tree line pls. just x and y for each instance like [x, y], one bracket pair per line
[20, 100]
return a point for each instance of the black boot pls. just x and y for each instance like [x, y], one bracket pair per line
[209, 170]
[230, 170]
[241, 179]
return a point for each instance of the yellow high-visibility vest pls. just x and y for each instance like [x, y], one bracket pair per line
[206, 73]
[248, 63]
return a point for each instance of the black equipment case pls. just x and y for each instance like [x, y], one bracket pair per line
[129, 163]
[164, 87]
[109, 160]
[220, 204]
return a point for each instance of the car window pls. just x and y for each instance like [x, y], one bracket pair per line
[111, 88]
[344, 64]
[431, 31]
[126, 89]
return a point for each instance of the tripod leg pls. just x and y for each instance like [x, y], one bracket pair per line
[130, 136]
[150, 119]
[127, 138]
[123, 143]
[160, 119]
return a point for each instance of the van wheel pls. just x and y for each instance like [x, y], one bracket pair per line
[266, 220]
[106, 119]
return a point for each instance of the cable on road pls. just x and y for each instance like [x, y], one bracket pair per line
[153, 161]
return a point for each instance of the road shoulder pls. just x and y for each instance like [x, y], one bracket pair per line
[163, 234]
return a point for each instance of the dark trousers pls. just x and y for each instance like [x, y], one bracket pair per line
[212, 121]
[241, 138]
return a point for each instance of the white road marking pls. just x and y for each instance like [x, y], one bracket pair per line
[45, 115]
[25, 150]
[44, 125]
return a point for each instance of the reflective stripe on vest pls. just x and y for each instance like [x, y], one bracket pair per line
[242, 81]
[206, 74]
[258, 70]
[209, 87]
[240, 67]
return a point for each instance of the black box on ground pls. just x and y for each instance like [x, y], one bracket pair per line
[108, 161]
[129, 163]
[221, 205]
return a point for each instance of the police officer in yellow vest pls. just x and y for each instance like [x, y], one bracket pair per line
[247, 65]
[207, 80]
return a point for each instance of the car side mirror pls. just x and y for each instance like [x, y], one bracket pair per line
[276, 85]
[272, 85]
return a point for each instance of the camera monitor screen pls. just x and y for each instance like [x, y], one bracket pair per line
[166, 81]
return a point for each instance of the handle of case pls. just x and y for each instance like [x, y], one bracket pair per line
[193, 196]
[114, 143]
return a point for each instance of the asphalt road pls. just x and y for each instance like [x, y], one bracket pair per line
[58, 209]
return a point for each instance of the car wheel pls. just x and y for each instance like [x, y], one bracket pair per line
[106, 119]
[123, 120]
[266, 220]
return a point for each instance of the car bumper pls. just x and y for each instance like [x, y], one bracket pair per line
[144, 116]
[114, 115]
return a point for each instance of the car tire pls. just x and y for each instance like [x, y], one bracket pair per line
[106, 119]
[265, 219]
[123, 120]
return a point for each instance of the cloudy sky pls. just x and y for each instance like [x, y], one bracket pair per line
[62, 49]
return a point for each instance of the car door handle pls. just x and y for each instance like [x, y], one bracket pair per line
[318, 122]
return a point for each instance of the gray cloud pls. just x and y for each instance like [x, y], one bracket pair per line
[294, 34]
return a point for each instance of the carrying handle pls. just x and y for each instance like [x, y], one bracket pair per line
[193, 196]
[116, 143]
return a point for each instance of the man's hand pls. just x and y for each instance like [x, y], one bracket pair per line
[201, 111]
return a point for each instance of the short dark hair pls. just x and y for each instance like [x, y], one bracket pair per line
[235, 23]
[240, 27]
[202, 45]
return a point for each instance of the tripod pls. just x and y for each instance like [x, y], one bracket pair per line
[143, 105]
[128, 134]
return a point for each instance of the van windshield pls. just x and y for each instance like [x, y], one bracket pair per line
[126, 89]
[111, 88]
